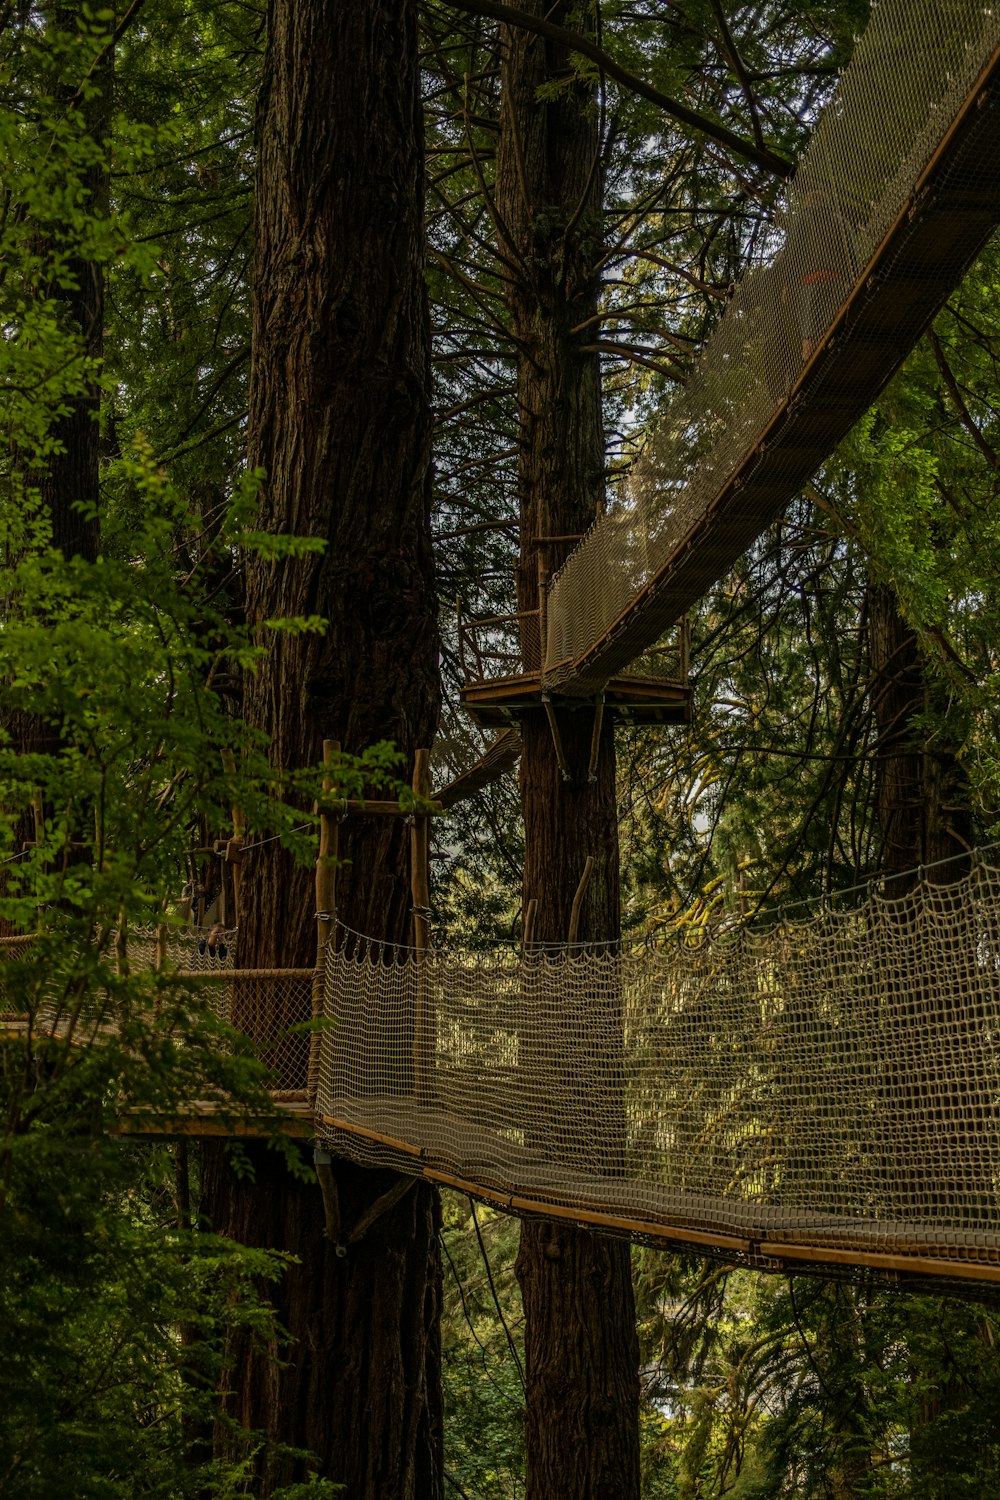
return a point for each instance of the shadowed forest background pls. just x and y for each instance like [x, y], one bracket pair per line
[314, 318]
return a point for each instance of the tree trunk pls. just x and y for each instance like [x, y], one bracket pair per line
[922, 795]
[581, 1347]
[925, 818]
[340, 422]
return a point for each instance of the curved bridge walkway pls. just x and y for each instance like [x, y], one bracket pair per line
[823, 1093]
[894, 198]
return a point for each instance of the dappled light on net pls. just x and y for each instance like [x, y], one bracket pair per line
[834, 1080]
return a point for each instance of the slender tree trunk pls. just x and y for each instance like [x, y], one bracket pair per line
[924, 817]
[340, 422]
[923, 797]
[580, 1341]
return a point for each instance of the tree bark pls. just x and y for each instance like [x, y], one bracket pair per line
[581, 1348]
[923, 800]
[340, 421]
[924, 814]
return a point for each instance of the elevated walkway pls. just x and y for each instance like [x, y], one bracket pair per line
[826, 1093]
[894, 198]
[823, 1095]
[502, 662]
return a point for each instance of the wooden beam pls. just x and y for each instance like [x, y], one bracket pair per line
[420, 887]
[913, 1265]
[326, 911]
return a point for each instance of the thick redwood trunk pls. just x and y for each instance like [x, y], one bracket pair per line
[340, 422]
[359, 1388]
[580, 1341]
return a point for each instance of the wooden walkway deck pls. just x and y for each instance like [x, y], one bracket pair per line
[422, 1141]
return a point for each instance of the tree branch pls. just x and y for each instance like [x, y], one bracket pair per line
[769, 160]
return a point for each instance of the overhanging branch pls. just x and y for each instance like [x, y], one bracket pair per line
[761, 156]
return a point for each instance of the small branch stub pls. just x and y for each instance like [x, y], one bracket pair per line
[581, 891]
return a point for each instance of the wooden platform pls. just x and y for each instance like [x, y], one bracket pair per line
[501, 701]
[428, 1141]
[496, 760]
[209, 1118]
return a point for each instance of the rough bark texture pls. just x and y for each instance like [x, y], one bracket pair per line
[921, 791]
[580, 1340]
[340, 422]
[924, 816]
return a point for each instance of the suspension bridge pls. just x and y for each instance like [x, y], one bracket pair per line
[822, 1094]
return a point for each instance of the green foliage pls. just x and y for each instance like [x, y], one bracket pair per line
[119, 746]
[482, 1338]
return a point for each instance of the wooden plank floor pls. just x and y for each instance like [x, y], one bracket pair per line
[498, 1167]
[429, 1141]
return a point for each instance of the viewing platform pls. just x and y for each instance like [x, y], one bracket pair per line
[501, 661]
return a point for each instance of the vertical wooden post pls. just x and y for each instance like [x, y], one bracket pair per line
[528, 925]
[420, 888]
[326, 914]
[121, 944]
[543, 609]
[239, 824]
[581, 891]
[161, 945]
[461, 638]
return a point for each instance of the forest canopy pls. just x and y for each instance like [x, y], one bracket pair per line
[191, 498]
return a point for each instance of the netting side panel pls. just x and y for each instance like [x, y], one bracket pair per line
[189, 949]
[367, 1046]
[274, 1011]
[911, 71]
[836, 1081]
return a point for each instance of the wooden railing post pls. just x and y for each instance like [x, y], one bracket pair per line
[326, 914]
[233, 848]
[420, 888]
[543, 609]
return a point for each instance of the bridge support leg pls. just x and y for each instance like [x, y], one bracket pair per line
[557, 743]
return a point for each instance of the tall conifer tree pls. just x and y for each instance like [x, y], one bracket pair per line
[581, 1346]
[340, 425]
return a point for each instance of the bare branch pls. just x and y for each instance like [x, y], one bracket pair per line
[762, 157]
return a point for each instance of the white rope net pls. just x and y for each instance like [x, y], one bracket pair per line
[834, 1080]
[274, 1007]
[912, 70]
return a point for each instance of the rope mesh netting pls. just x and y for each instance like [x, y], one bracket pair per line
[272, 1006]
[189, 949]
[914, 68]
[834, 1080]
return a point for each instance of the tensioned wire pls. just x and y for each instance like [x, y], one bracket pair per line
[875, 887]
